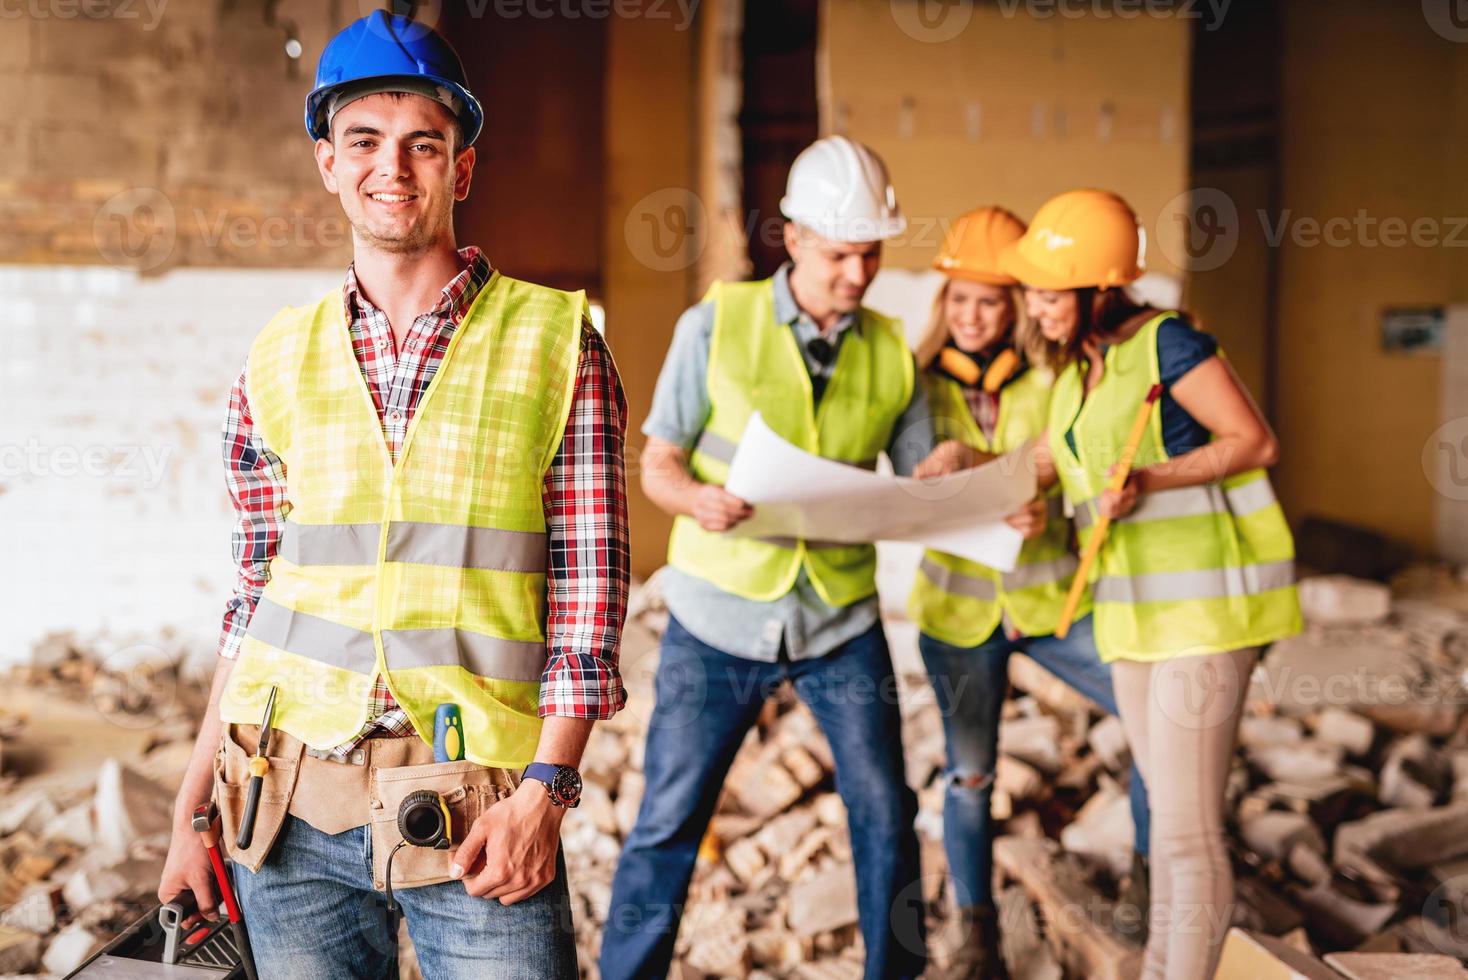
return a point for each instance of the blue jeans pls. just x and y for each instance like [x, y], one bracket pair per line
[706, 702]
[970, 684]
[313, 915]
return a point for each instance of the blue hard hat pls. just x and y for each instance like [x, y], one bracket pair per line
[382, 47]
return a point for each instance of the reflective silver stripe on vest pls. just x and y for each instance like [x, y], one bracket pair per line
[811, 544]
[312, 637]
[329, 544]
[459, 546]
[417, 542]
[1207, 583]
[957, 583]
[975, 587]
[1041, 573]
[1191, 502]
[341, 646]
[716, 446]
[710, 443]
[487, 656]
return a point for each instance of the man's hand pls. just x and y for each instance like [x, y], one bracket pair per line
[187, 866]
[1117, 504]
[1030, 520]
[510, 851]
[948, 456]
[716, 509]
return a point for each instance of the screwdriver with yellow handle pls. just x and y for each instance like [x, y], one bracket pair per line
[259, 766]
[1119, 474]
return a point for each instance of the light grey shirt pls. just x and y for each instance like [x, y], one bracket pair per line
[808, 626]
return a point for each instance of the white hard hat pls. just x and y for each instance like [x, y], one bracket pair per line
[840, 190]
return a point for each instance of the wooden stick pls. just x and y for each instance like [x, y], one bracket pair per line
[1119, 474]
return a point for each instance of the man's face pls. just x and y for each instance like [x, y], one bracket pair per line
[832, 274]
[391, 163]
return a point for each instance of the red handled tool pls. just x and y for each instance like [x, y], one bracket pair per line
[206, 823]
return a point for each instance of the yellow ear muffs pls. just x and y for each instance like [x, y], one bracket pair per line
[1001, 369]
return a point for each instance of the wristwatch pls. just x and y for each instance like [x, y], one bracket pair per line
[562, 783]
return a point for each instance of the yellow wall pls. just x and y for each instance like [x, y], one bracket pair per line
[648, 258]
[1373, 117]
[1010, 110]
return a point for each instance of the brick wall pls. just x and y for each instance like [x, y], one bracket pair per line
[158, 202]
[151, 134]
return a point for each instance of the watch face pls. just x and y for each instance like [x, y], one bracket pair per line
[566, 785]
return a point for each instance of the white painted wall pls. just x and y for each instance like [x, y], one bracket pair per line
[113, 389]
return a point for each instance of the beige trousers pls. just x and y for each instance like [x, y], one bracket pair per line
[1181, 717]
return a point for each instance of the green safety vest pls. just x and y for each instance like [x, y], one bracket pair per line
[754, 365]
[429, 572]
[960, 601]
[1193, 570]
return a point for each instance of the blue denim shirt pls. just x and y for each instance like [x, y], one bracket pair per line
[801, 619]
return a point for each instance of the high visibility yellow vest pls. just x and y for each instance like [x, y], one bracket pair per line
[1193, 570]
[754, 364]
[961, 601]
[432, 572]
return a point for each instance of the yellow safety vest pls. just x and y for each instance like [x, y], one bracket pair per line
[430, 573]
[1193, 570]
[960, 601]
[754, 364]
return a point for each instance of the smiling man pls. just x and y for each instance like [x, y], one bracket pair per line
[427, 466]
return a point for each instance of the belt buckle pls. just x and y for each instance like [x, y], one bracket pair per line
[356, 757]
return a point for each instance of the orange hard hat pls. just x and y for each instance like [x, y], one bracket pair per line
[1078, 239]
[971, 247]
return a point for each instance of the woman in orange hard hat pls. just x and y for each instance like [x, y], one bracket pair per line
[976, 365]
[1196, 571]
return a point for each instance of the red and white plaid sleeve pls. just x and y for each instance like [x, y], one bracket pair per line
[585, 498]
[256, 479]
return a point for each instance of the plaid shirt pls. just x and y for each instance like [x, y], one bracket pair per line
[584, 497]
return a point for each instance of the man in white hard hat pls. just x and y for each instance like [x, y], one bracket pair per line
[836, 379]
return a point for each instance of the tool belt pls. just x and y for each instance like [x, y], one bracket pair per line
[364, 789]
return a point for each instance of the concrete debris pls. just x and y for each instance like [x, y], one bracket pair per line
[136, 807]
[1252, 956]
[1413, 774]
[1102, 830]
[70, 949]
[1035, 741]
[1339, 600]
[1347, 811]
[1347, 729]
[824, 902]
[1107, 739]
[20, 951]
[1386, 966]
[1274, 834]
[1262, 731]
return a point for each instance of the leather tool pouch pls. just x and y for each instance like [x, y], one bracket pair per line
[231, 783]
[467, 788]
